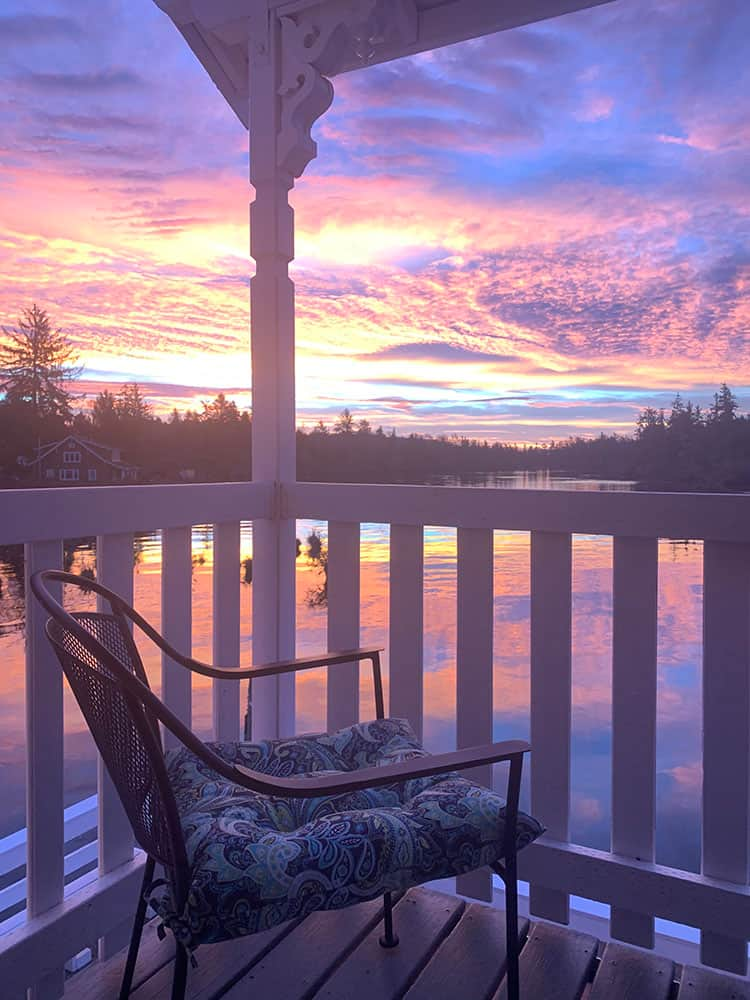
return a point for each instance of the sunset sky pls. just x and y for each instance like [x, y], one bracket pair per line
[519, 238]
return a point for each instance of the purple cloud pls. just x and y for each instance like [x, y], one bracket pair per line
[37, 28]
[95, 82]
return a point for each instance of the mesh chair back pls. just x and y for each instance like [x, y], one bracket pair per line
[97, 652]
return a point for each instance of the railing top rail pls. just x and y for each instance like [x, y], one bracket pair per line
[40, 514]
[715, 516]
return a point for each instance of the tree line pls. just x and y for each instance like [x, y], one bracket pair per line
[682, 448]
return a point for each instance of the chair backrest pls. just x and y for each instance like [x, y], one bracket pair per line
[99, 656]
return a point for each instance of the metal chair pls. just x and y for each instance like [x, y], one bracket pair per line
[376, 765]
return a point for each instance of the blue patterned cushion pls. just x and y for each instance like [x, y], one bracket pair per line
[256, 861]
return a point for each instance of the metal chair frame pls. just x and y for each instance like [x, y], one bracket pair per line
[127, 685]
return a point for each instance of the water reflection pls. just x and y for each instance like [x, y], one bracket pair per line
[679, 636]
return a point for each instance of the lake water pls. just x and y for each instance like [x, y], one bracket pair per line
[679, 688]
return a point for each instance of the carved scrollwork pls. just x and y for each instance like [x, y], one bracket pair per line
[305, 93]
[319, 42]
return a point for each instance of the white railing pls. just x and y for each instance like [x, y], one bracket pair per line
[717, 901]
[60, 922]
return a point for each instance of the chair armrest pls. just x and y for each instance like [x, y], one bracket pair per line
[372, 777]
[292, 666]
[309, 662]
[248, 673]
[281, 667]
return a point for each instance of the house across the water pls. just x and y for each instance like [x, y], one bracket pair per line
[77, 460]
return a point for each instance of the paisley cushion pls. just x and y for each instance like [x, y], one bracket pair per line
[256, 861]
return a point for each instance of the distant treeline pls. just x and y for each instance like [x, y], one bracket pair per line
[682, 448]
[686, 448]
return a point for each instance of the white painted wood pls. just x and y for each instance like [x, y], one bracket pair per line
[671, 893]
[226, 628]
[551, 565]
[722, 517]
[726, 735]
[406, 624]
[114, 569]
[272, 344]
[38, 515]
[274, 552]
[44, 743]
[33, 515]
[37, 949]
[176, 621]
[16, 891]
[78, 819]
[44, 758]
[474, 620]
[634, 613]
[343, 622]
[262, 709]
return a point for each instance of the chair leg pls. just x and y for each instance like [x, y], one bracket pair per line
[135, 937]
[179, 980]
[511, 927]
[388, 939]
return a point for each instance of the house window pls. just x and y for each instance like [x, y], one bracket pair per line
[69, 475]
[50, 473]
[72, 458]
[92, 475]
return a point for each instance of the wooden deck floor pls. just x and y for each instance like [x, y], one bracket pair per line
[448, 948]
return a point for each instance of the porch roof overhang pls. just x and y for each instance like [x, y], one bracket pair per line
[220, 31]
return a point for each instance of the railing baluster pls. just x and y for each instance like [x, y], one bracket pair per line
[551, 565]
[226, 628]
[474, 621]
[726, 732]
[634, 610]
[44, 758]
[343, 621]
[406, 624]
[114, 569]
[176, 621]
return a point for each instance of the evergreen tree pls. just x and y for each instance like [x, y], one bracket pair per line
[36, 364]
[221, 410]
[345, 422]
[650, 422]
[105, 416]
[725, 405]
[131, 404]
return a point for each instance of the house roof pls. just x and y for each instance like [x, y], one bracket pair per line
[102, 452]
[219, 31]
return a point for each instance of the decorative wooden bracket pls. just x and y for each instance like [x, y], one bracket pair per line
[317, 43]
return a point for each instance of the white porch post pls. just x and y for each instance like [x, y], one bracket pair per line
[272, 347]
[285, 96]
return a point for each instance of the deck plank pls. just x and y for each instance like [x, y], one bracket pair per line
[446, 950]
[627, 974]
[219, 965]
[101, 980]
[556, 964]
[703, 984]
[470, 962]
[421, 919]
[307, 956]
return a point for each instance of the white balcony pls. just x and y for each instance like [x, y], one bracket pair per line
[61, 919]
